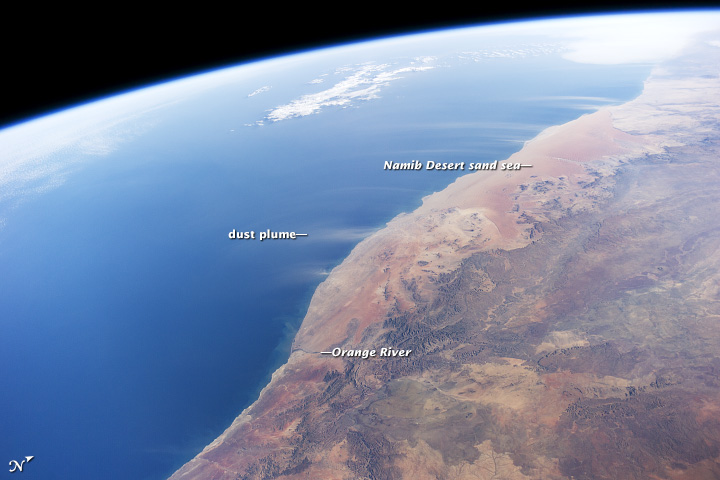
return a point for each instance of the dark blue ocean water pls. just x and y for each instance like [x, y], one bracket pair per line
[135, 331]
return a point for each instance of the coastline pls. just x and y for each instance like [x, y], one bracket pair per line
[401, 271]
[480, 202]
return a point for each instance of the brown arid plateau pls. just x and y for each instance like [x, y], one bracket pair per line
[564, 319]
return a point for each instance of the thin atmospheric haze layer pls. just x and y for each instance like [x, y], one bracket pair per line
[485, 252]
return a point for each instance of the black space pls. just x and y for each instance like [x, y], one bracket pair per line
[70, 57]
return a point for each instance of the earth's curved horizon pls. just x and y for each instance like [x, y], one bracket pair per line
[549, 309]
[540, 311]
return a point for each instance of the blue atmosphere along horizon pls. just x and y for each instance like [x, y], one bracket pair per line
[139, 330]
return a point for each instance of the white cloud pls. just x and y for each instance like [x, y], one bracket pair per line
[517, 52]
[597, 39]
[628, 38]
[260, 90]
[37, 155]
[364, 84]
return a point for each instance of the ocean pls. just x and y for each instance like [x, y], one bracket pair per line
[136, 331]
